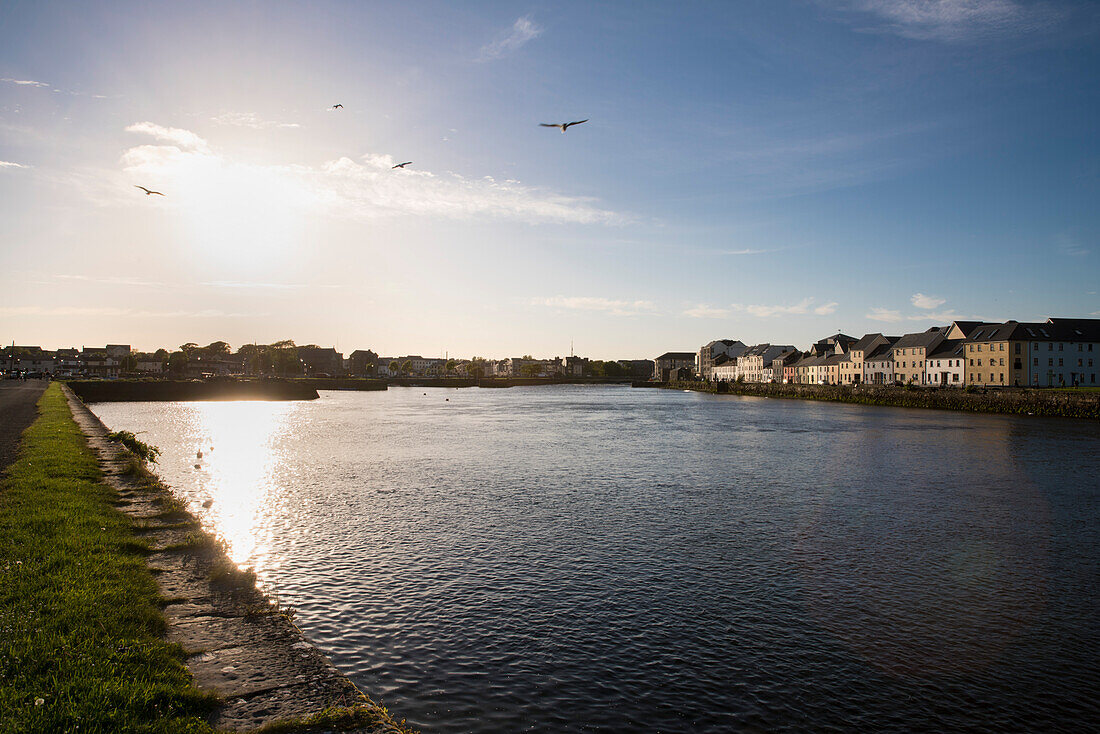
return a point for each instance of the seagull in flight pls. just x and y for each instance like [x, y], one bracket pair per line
[147, 191]
[563, 125]
[401, 165]
[337, 107]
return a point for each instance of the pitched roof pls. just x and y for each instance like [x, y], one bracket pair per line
[921, 339]
[677, 355]
[948, 349]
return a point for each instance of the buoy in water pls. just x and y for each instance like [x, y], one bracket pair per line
[198, 466]
[208, 503]
[198, 454]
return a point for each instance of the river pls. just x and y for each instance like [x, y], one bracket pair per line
[600, 558]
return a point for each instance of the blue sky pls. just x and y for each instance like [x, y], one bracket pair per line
[766, 171]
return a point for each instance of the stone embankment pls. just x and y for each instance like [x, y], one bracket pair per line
[108, 391]
[239, 644]
[1016, 401]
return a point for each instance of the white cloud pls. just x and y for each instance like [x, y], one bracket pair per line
[522, 31]
[703, 311]
[805, 306]
[9, 164]
[24, 82]
[250, 120]
[744, 252]
[189, 169]
[885, 314]
[953, 21]
[922, 301]
[182, 139]
[594, 303]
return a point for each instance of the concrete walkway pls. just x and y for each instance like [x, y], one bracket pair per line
[238, 644]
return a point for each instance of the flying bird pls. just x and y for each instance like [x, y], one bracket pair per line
[147, 191]
[563, 125]
[337, 107]
[401, 165]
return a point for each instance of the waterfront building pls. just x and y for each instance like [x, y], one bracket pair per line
[947, 364]
[725, 369]
[751, 364]
[911, 352]
[878, 364]
[851, 368]
[996, 355]
[669, 362]
[1080, 363]
[319, 360]
[704, 362]
[362, 362]
[776, 371]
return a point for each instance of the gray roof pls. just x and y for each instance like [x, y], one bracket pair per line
[948, 349]
[677, 355]
[921, 339]
[865, 342]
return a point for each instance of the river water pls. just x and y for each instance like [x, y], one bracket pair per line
[600, 558]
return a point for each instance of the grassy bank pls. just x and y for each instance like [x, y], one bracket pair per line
[81, 645]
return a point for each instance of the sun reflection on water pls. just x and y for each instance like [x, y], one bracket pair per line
[239, 453]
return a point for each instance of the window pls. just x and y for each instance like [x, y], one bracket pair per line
[1080, 347]
[979, 347]
[1017, 347]
[1059, 346]
[1036, 361]
[1050, 346]
[1002, 346]
[1079, 363]
[1059, 361]
[954, 377]
[971, 363]
[1050, 362]
[1002, 377]
[1090, 363]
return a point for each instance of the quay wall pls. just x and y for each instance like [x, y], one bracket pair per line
[1015, 401]
[106, 391]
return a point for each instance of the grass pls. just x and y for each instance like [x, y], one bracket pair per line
[143, 451]
[81, 632]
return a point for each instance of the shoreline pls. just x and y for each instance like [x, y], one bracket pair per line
[1006, 401]
[238, 643]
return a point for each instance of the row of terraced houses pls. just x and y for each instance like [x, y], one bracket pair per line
[1058, 352]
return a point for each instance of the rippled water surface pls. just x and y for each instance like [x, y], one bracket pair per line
[560, 559]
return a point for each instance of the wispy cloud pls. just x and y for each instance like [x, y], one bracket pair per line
[182, 139]
[262, 286]
[522, 31]
[952, 21]
[885, 314]
[702, 311]
[111, 312]
[363, 189]
[744, 252]
[1072, 247]
[894, 316]
[24, 82]
[9, 164]
[594, 303]
[805, 306]
[928, 302]
[249, 120]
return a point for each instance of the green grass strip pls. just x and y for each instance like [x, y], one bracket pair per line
[81, 629]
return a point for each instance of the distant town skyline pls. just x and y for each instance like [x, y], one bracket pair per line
[771, 172]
